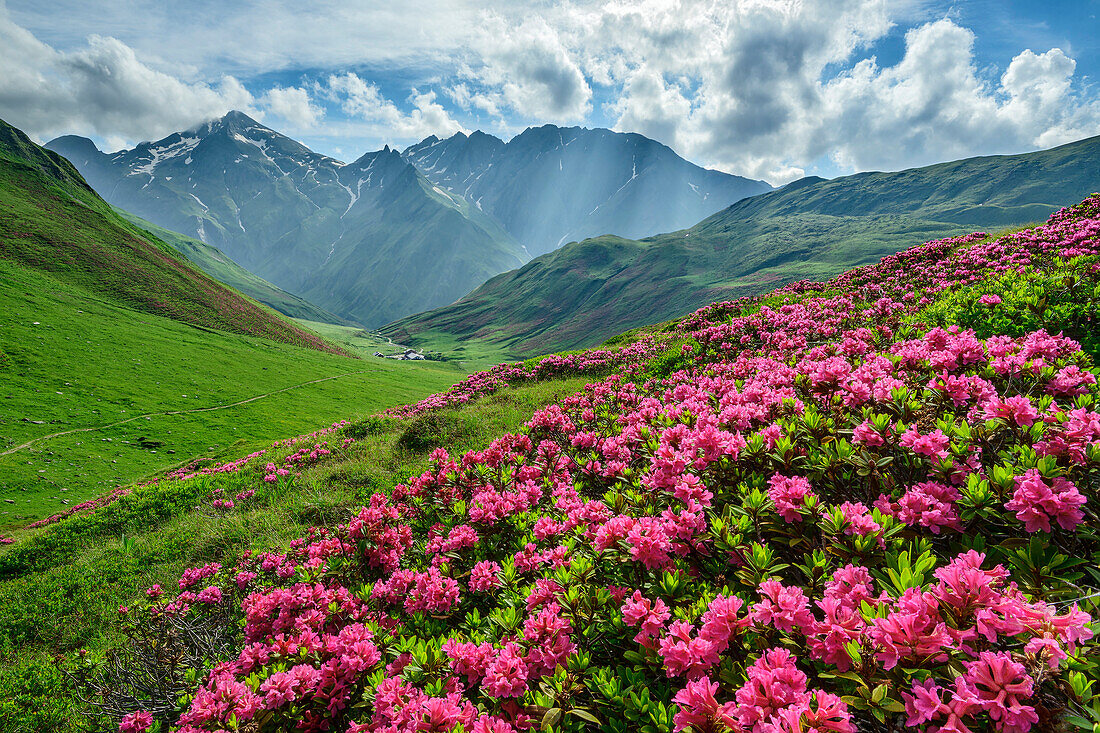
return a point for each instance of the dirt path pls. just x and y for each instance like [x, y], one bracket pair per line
[176, 412]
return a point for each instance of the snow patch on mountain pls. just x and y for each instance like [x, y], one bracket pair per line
[159, 155]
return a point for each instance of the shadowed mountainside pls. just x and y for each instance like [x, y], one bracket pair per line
[812, 228]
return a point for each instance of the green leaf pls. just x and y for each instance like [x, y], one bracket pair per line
[879, 693]
[551, 718]
[584, 714]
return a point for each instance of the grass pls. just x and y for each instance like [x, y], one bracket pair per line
[353, 339]
[74, 360]
[470, 353]
[218, 265]
[460, 355]
[78, 572]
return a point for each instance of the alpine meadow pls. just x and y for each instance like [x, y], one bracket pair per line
[550, 367]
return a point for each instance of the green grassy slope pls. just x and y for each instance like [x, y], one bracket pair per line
[50, 220]
[219, 266]
[72, 361]
[103, 323]
[587, 291]
[78, 572]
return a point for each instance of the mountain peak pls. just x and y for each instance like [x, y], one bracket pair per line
[231, 121]
[75, 148]
[236, 117]
[14, 144]
[803, 182]
[549, 184]
[386, 155]
[75, 142]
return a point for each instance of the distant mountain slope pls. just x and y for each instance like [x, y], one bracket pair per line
[551, 185]
[52, 221]
[370, 241]
[585, 292]
[221, 267]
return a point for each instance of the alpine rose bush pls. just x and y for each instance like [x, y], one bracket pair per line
[833, 517]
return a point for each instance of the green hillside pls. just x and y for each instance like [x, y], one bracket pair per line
[50, 220]
[218, 265]
[72, 361]
[107, 329]
[587, 291]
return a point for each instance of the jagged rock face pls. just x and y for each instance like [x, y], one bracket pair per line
[361, 239]
[552, 185]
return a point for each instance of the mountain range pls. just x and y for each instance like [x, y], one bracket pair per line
[392, 234]
[585, 292]
[369, 241]
[551, 185]
[412, 232]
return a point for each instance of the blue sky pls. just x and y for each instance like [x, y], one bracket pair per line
[772, 89]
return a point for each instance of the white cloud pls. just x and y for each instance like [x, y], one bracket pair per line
[785, 88]
[1039, 91]
[251, 38]
[932, 105]
[900, 115]
[767, 88]
[365, 102]
[102, 88]
[526, 67]
[755, 80]
[294, 105]
[652, 107]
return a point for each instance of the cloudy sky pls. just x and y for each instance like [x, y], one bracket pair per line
[773, 89]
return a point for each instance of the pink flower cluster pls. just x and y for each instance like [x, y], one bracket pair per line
[759, 531]
[1036, 502]
[993, 685]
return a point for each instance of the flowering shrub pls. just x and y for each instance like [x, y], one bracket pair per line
[833, 518]
[1028, 298]
[84, 506]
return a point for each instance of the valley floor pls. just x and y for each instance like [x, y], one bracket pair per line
[93, 395]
